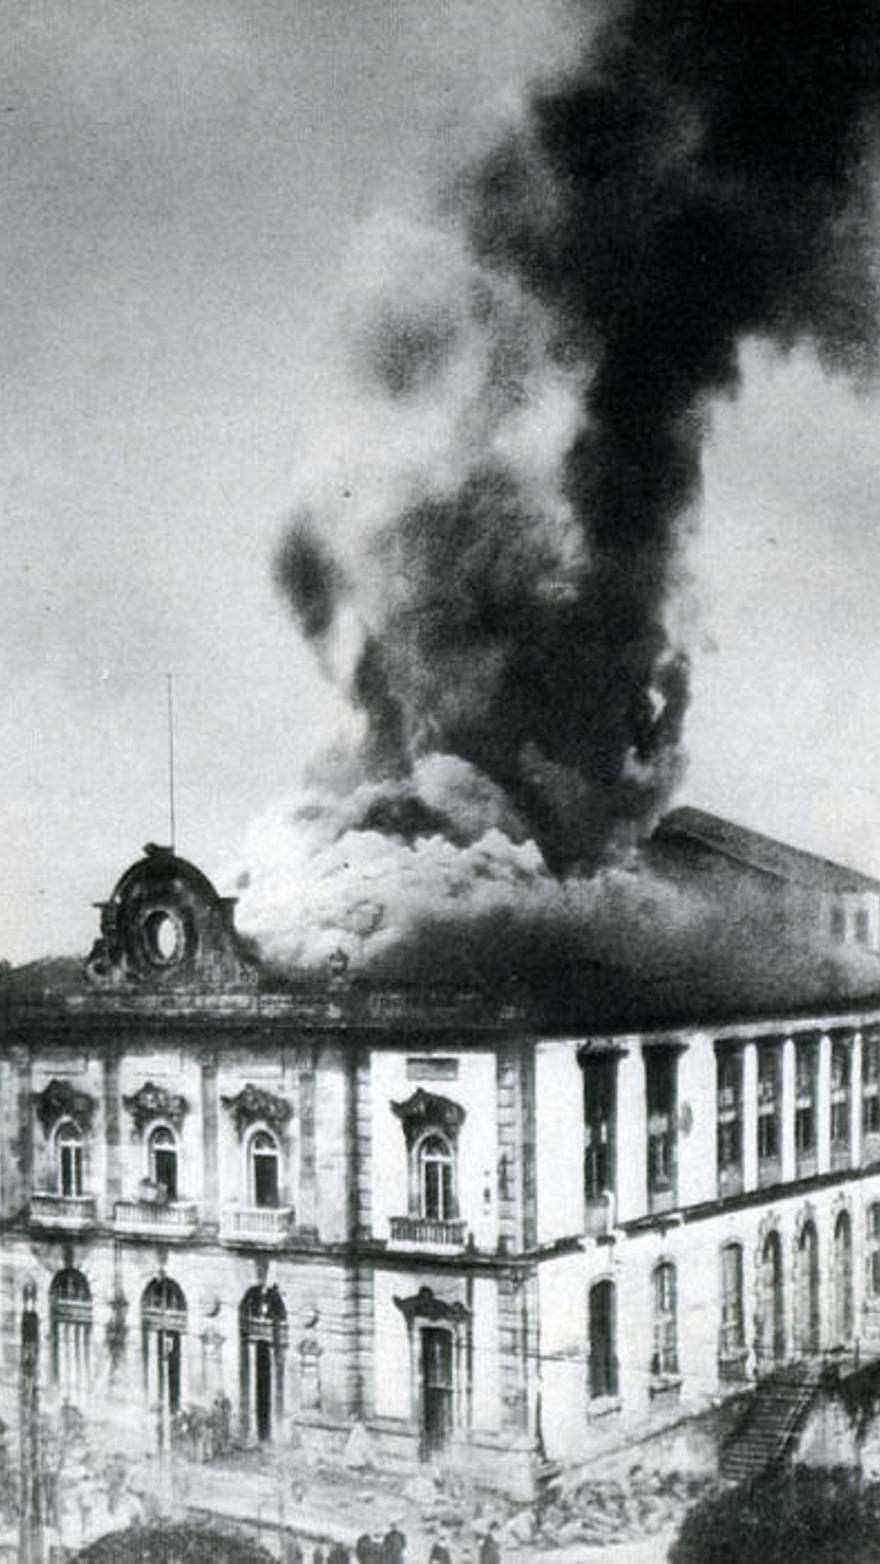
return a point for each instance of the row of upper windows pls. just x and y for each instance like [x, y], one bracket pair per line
[162, 1163]
[433, 1168]
[806, 1100]
[660, 1064]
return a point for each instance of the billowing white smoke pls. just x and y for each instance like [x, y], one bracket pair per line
[315, 881]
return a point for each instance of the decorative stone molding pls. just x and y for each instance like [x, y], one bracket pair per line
[425, 1110]
[155, 1102]
[59, 1100]
[425, 1305]
[253, 1105]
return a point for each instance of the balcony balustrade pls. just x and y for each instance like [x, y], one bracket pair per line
[265, 1225]
[72, 1212]
[425, 1232]
[175, 1219]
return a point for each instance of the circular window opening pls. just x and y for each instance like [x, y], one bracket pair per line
[163, 936]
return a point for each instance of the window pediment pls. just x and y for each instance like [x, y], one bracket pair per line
[151, 1102]
[427, 1110]
[425, 1305]
[254, 1105]
[59, 1100]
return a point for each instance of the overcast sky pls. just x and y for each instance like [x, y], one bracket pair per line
[181, 182]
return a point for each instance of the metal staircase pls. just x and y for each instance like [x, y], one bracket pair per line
[764, 1436]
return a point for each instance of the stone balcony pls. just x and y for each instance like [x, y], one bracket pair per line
[150, 1219]
[426, 1232]
[71, 1213]
[267, 1226]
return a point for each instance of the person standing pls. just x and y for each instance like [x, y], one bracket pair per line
[490, 1553]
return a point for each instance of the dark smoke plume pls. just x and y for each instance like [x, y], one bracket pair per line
[702, 176]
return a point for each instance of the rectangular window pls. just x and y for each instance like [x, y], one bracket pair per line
[806, 1084]
[862, 925]
[599, 1104]
[660, 1080]
[769, 1106]
[838, 921]
[871, 1086]
[71, 1169]
[729, 1118]
[840, 1100]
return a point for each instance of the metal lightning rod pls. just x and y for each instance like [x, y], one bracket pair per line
[169, 679]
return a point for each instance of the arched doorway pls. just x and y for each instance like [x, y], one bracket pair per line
[163, 1324]
[808, 1321]
[772, 1312]
[70, 1316]
[843, 1281]
[263, 1339]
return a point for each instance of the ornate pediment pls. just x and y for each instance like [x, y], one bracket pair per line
[59, 1100]
[425, 1305]
[155, 1102]
[254, 1105]
[426, 1110]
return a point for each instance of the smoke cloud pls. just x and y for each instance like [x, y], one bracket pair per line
[503, 448]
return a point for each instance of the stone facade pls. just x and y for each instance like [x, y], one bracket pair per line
[487, 1239]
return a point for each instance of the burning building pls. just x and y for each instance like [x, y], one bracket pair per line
[493, 1225]
[506, 1135]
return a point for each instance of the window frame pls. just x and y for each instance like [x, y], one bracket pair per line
[69, 1158]
[271, 1152]
[664, 1321]
[426, 1159]
[164, 1147]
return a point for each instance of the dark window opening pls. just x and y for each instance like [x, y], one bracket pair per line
[163, 1161]
[603, 1345]
[769, 1102]
[599, 1114]
[806, 1082]
[660, 1073]
[729, 1113]
[264, 1169]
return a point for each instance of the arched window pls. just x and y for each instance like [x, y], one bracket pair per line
[603, 1375]
[70, 1315]
[732, 1345]
[771, 1319]
[843, 1282]
[436, 1171]
[808, 1289]
[872, 1253]
[163, 1160]
[664, 1359]
[163, 1324]
[69, 1158]
[263, 1333]
[263, 1159]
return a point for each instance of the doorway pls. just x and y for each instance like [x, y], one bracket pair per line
[437, 1389]
[263, 1391]
[168, 1348]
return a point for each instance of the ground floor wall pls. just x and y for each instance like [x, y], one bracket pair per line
[425, 1364]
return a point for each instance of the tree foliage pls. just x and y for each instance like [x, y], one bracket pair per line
[814, 1517]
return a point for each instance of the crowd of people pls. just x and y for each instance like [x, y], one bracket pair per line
[390, 1549]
